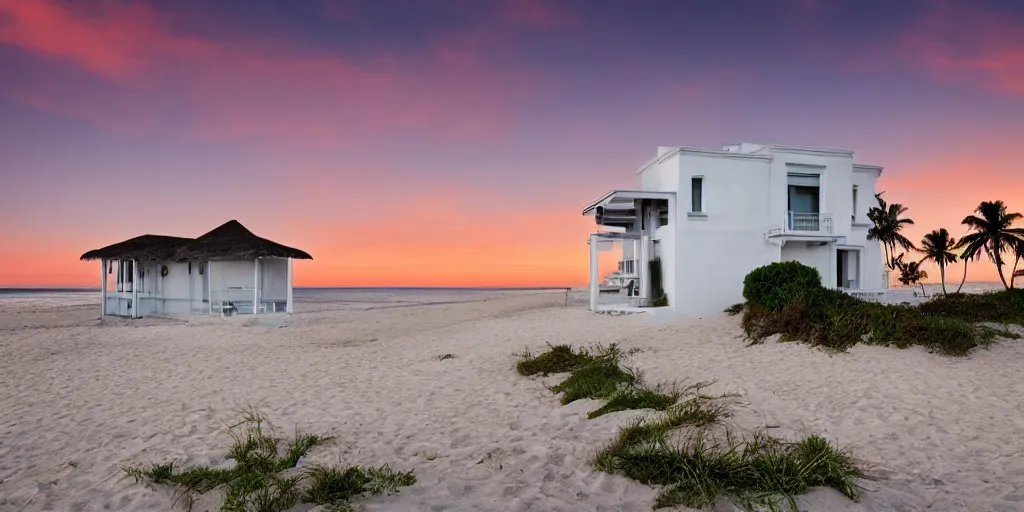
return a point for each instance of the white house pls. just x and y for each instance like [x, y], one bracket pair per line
[711, 216]
[226, 271]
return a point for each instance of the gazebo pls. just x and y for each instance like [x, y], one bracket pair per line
[226, 271]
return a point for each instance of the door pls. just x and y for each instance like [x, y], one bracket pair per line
[840, 269]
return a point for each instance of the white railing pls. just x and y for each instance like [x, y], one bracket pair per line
[809, 222]
[628, 267]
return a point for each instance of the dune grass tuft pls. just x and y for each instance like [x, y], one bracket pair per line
[332, 486]
[637, 398]
[699, 469]
[557, 359]
[258, 481]
[601, 378]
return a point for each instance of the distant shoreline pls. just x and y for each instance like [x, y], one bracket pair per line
[327, 288]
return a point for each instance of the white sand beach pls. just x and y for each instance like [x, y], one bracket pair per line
[82, 398]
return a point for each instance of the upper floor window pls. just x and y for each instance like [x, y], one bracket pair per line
[854, 216]
[697, 194]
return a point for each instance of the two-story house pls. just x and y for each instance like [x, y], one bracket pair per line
[711, 216]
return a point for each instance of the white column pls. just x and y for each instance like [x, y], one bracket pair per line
[645, 268]
[255, 285]
[135, 289]
[595, 285]
[288, 303]
[103, 287]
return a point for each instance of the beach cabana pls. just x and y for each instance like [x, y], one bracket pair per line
[226, 271]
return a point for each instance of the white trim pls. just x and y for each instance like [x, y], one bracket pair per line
[701, 151]
[805, 150]
[255, 286]
[627, 194]
[877, 170]
[595, 277]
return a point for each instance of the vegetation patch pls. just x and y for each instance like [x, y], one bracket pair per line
[1006, 306]
[637, 398]
[836, 320]
[735, 309]
[259, 481]
[557, 359]
[445, 357]
[698, 468]
[599, 379]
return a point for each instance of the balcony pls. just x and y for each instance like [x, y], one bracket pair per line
[804, 225]
[810, 223]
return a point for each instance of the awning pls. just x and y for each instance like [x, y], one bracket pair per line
[623, 199]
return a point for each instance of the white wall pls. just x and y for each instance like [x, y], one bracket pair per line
[274, 278]
[820, 257]
[714, 252]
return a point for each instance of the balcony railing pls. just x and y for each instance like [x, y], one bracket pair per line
[810, 223]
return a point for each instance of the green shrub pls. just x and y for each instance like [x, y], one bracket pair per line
[836, 320]
[774, 286]
[1005, 306]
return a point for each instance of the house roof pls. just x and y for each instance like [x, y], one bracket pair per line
[141, 248]
[232, 240]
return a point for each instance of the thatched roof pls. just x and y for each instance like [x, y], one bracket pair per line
[233, 241]
[141, 248]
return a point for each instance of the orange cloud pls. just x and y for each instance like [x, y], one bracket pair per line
[959, 42]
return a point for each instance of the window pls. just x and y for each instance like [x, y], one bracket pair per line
[854, 216]
[697, 194]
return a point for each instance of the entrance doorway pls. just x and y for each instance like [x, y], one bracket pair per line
[847, 267]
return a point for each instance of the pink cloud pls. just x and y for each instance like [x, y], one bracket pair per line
[231, 90]
[957, 42]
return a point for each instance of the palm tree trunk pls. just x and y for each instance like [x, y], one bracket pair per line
[1013, 275]
[999, 269]
[942, 275]
[962, 281]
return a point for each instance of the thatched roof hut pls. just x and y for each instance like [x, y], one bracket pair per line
[140, 248]
[232, 240]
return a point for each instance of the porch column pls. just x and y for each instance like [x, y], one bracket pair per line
[135, 288]
[645, 268]
[209, 286]
[595, 286]
[255, 285]
[288, 303]
[103, 287]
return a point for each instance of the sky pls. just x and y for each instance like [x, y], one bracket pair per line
[455, 142]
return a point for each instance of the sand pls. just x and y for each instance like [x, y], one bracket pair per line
[82, 398]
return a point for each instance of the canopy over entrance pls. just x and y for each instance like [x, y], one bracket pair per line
[618, 207]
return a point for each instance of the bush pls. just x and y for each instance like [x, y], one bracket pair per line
[1003, 306]
[836, 320]
[774, 286]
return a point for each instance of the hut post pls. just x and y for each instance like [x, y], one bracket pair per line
[288, 303]
[255, 284]
[135, 288]
[103, 287]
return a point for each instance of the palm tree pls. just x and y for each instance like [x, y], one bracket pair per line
[886, 228]
[1018, 252]
[936, 246]
[910, 273]
[991, 232]
[965, 258]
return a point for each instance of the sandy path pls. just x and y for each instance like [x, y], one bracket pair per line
[943, 432]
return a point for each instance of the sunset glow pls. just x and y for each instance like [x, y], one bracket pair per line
[453, 143]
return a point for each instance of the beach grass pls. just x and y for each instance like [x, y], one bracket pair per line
[696, 468]
[637, 398]
[557, 359]
[260, 479]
